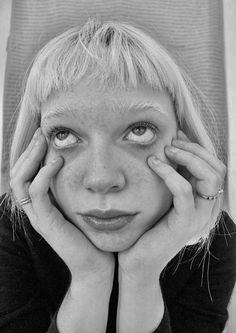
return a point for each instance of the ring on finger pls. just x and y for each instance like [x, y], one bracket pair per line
[211, 197]
[23, 201]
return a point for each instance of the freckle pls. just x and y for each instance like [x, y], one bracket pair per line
[69, 178]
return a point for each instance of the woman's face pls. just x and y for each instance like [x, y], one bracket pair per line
[105, 187]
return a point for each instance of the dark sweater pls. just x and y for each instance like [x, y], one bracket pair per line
[196, 286]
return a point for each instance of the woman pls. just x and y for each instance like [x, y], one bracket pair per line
[116, 201]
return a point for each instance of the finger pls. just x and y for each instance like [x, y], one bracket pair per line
[180, 188]
[209, 180]
[201, 152]
[50, 223]
[181, 219]
[26, 153]
[182, 136]
[26, 169]
[39, 188]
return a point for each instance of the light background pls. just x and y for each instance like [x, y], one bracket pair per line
[230, 53]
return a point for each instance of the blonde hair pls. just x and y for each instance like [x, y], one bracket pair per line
[114, 55]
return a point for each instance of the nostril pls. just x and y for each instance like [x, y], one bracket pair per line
[116, 188]
[104, 185]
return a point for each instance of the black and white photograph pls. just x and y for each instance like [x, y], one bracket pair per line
[118, 166]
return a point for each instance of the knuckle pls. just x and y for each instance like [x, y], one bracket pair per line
[223, 170]
[186, 189]
[215, 180]
[34, 190]
[12, 183]
[169, 172]
[196, 147]
[12, 172]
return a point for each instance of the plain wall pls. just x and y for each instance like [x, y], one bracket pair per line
[230, 48]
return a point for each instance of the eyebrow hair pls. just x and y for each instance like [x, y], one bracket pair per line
[139, 106]
[58, 112]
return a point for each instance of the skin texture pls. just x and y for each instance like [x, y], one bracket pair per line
[105, 169]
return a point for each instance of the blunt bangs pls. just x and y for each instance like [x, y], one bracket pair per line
[112, 54]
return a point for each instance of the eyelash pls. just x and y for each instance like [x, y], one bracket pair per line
[145, 124]
[148, 125]
[53, 131]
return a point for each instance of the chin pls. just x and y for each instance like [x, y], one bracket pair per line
[112, 246]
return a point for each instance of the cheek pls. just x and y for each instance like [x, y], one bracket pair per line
[66, 178]
[141, 180]
[145, 183]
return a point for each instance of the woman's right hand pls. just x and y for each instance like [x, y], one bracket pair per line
[83, 259]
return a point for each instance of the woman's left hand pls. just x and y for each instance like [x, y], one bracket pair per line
[141, 305]
[190, 214]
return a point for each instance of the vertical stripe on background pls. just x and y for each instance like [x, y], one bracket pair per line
[192, 30]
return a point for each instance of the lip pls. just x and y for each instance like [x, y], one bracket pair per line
[109, 220]
[107, 214]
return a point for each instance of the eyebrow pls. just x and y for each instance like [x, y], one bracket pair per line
[135, 106]
[141, 106]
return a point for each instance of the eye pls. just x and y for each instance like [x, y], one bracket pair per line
[142, 133]
[63, 138]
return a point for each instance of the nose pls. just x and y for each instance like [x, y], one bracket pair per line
[103, 172]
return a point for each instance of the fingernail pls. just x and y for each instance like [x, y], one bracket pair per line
[37, 132]
[182, 135]
[172, 149]
[154, 160]
[37, 136]
[56, 160]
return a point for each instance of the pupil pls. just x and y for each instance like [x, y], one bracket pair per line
[62, 135]
[140, 130]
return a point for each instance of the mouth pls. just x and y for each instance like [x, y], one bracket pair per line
[109, 220]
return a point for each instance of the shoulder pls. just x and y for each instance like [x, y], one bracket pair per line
[12, 233]
[216, 257]
[198, 283]
[6, 225]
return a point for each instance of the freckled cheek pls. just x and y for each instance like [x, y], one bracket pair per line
[151, 194]
[67, 176]
[140, 176]
[67, 180]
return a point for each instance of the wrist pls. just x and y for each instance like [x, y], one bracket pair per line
[140, 279]
[142, 284]
[143, 302]
[96, 281]
[85, 306]
[93, 276]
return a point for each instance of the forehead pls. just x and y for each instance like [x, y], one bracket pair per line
[89, 99]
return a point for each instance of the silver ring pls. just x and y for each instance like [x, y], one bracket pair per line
[23, 201]
[211, 197]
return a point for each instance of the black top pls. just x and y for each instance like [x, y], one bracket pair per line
[196, 286]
